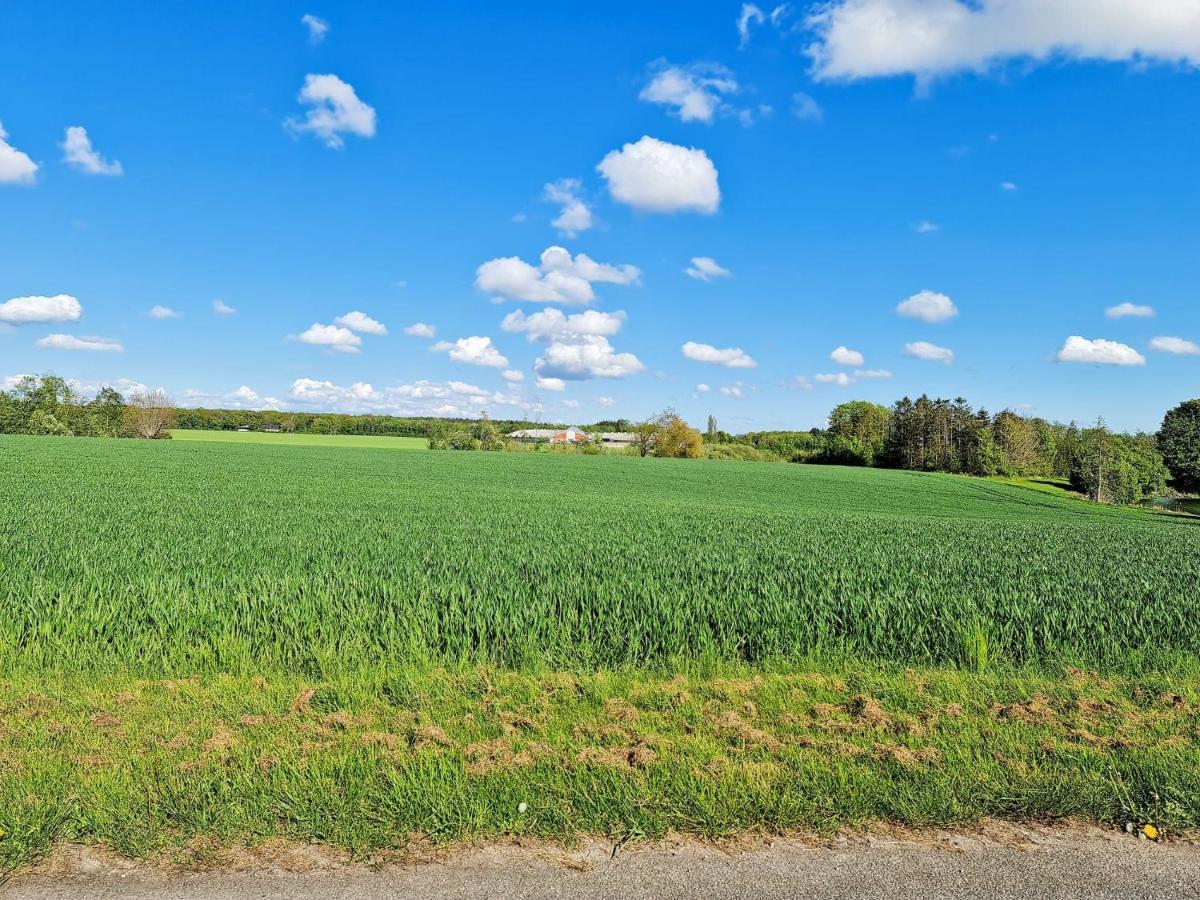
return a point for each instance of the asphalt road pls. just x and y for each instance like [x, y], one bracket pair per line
[996, 861]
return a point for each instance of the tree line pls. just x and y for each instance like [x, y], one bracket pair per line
[49, 405]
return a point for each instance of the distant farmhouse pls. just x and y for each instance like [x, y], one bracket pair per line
[615, 439]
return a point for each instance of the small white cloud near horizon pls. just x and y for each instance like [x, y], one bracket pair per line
[730, 357]
[927, 351]
[317, 27]
[421, 330]
[695, 93]
[574, 215]
[1122, 310]
[512, 376]
[806, 109]
[221, 308]
[705, 268]
[38, 309]
[654, 176]
[1176, 345]
[163, 312]
[551, 384]
[87, 344]
[1102, 352]
[15, 167]
[474, 351]
[361, 322]
[927, 39]
[844, 356]
[928, 306]
[335, 337]
[926, 227]
[79, 154]
[732, 390]
[560, 277]
[841, 379]
[335, 109]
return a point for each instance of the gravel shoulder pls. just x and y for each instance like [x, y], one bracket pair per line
[992, 860]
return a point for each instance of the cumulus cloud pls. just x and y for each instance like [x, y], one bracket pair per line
[79, 154]
[695, 93]
[71, 342]
[805, 108]
[926, 227]
[1078, 349]
[702, 388]
[553, 324]
[730, 357]
[1175, 345]
[928, 306]
[317, 27]
[221, 308]
[361, 322]
[655, 176]
[705, 268]
[575, 216]
[585, 357]
[551, 384]
[560, 278]
[35, 309]
[844, 356]
[426, 398]
[245, 394]
[163, 312]
[512, 376]
[473, 351]
[15, 166]
[931, 352]
[1122, 310]
[929, 38]
[335, 110]
[606, 402]
[343, 340]
[841, 379]
[421, 330]
[732, 390]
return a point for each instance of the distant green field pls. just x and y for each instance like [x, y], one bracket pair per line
[363, 441]
[210, 555]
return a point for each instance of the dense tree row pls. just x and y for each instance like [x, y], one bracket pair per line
[324, 423]
[49, 405]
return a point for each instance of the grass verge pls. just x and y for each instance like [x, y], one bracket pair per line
[149, 767]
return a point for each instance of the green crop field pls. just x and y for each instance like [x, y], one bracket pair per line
[216, 556]
[359, 441]
[207, 644]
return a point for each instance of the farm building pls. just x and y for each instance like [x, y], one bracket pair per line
[271, 428]
[551, 435]
[617, 440]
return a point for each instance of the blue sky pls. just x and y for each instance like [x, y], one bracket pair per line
[1051, 151]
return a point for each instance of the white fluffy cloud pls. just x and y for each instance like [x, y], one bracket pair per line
[512, 376]
[71, 342]
[928, 306]
[1078, 349]
[474, 351]
[705, 268]
[428, 398]
[163, 312]
[695, 93]
[551, 384]
[1176, 345]
[926, 227]
[361, 322]
[550, 324]
[561, 278]
[421, 330]
[730, 357]
[841, 379]
[343, 340]
[221, 308]
[732, 390]
[1122, 310]
[844, 356]
[574, 216]
[928, 38]
[335, 110]
[35, 309]
[584, 357]
[931, 352]
[654, 176]
[317, 27]
[15, 166]
[79, 154]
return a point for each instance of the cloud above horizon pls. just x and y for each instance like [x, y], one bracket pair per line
[657, 177]
[560, 277]
[1102, 352]
[334, 110]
